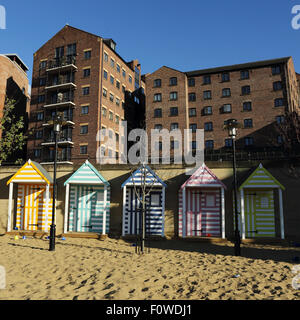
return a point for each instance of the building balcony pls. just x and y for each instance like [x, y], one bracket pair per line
[61, 85]
[63, 64]
[60, 160]
[60, 103]
[62, 141]
[67, 121]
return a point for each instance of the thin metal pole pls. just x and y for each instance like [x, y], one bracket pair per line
[53, 226]
[237, 244]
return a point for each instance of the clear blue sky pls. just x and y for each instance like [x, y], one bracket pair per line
[185, 35]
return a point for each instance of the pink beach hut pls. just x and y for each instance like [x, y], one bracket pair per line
[202, 205]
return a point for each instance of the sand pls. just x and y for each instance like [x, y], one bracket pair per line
[87, 269]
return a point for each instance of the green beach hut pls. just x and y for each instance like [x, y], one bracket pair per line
[257, 205]
[87, 204]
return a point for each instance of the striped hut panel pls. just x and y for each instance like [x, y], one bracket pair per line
[132, 219]
[87, 207]
[203, 213]
[28, 174]
[180, 226]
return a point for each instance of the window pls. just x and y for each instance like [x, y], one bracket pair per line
[42, 82]
[40, 116]
[112, 80]
[157, 113]
[86, 73]
[278, 102]
[117, 119]
[225, 77]
[226, 108]
[158, 127]
[111, 97]
[173, 96]
[206, 80]
[191, 82]
[207, 111]
[105, 57]
[208, 126]
[209, 144]
[130, 79]
[277, 86]
[226, 92]
[118, 68]
[247, 106]
[59, 52]
[104, 112]
[157, 97]
[173, 81]
[112, 62]
[84, 109]
[192, 112]
[246, 90]
[83, 149]
[192, 96]
[41, 98]
[87, 54]
[39, 134]
[123, 73]
[228, 143]
[37, 153]
[105, 75]
[104, 93]
[249, 141]
[248, 123]
[194, 145]
[207, 95]
[117, 137]
[111, 116]
[193, 127]
[174, 126]
[174, 144]
[86, 91]
[84, 129]
[118, 84]
[157, 83]
[118, 102]
[244, 74]
[276, 70]
[279, 139]
[123, 89]
[71, 49]
[174, 112]
[280, 119]
[43, 64]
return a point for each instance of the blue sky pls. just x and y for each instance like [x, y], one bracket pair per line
[185, 35]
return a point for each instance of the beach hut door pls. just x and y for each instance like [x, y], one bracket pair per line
[259, 214]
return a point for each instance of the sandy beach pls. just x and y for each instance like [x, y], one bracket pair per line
[87, 269]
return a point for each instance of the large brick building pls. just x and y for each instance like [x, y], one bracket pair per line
[81, 75]
[256, 94]
[14, 85]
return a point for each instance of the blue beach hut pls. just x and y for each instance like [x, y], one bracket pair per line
[87, 204]
[155, 203]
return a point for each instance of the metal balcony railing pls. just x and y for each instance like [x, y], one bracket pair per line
[62, 62]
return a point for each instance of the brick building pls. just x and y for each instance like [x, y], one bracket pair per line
[256, 94]
[14, 85]
[81, 75]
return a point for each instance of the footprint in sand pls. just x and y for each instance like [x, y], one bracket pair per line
[109, 286]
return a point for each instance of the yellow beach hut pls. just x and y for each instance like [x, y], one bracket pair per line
[257, 206]
[34, 199]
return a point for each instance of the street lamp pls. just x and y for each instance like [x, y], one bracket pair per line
[232, 125]
[57, 123]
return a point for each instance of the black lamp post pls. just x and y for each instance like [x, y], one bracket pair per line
[232, 126]
[57, 125]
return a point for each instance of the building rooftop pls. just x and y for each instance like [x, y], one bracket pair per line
[236, 67]
[14, 57]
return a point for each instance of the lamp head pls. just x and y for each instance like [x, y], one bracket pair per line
[232, 125]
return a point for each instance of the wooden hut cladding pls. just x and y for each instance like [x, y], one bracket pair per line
[155, 203]
[34, 200]
[87, 205]
[202, 205]
[256, 205]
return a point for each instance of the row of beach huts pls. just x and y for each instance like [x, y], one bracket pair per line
[201, 202]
